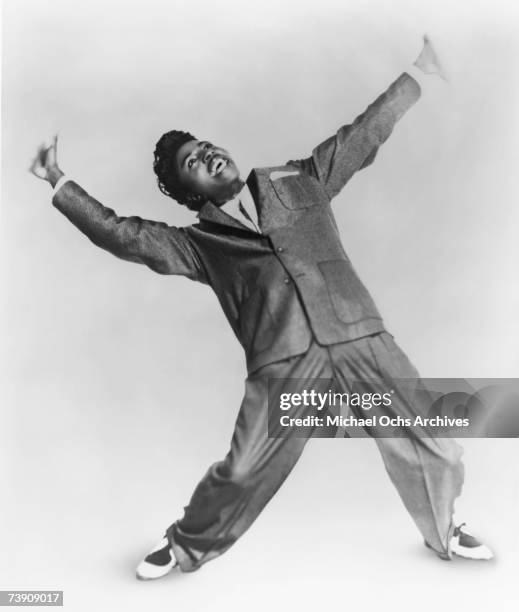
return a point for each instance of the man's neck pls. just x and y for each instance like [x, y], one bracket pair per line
[234, 190]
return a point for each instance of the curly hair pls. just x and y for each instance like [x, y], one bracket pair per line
[165, 167]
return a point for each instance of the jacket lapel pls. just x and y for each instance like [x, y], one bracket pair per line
[270, 215]
[212, 213]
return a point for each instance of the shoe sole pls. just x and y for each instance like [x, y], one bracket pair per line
[445, 556]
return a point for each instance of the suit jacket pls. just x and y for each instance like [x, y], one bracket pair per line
[294, 281]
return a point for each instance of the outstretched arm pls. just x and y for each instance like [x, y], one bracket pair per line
[353, 147]
[163, 248]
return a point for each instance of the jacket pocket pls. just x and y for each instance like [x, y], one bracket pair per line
[349, 297]
[299, 192]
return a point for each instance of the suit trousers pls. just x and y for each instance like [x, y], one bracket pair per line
[427, 472]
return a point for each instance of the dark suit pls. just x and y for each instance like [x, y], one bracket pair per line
[288, 293]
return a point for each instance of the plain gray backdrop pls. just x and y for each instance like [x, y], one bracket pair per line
[120, 386]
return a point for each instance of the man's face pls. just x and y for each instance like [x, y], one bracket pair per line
[208, 171]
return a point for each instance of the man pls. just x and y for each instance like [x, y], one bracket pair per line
[270, 249]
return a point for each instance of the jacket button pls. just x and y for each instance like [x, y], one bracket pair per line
[286, 280]
[280, 249]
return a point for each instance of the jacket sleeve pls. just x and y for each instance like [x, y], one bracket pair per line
[353, 147]
[163, 248]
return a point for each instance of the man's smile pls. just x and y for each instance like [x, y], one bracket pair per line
[217, 164]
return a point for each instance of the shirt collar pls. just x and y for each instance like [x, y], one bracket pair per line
[216, 214]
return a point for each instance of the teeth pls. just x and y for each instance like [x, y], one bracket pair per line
[218, 166]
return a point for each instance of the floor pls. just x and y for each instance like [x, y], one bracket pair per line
[336, 534]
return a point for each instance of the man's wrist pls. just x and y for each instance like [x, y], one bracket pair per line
[53, 176]
[61, 181]
[417, 74]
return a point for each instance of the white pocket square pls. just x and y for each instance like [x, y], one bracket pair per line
[277, 174]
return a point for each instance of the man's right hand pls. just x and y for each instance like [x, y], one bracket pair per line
[428, 61]
[45, 164]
